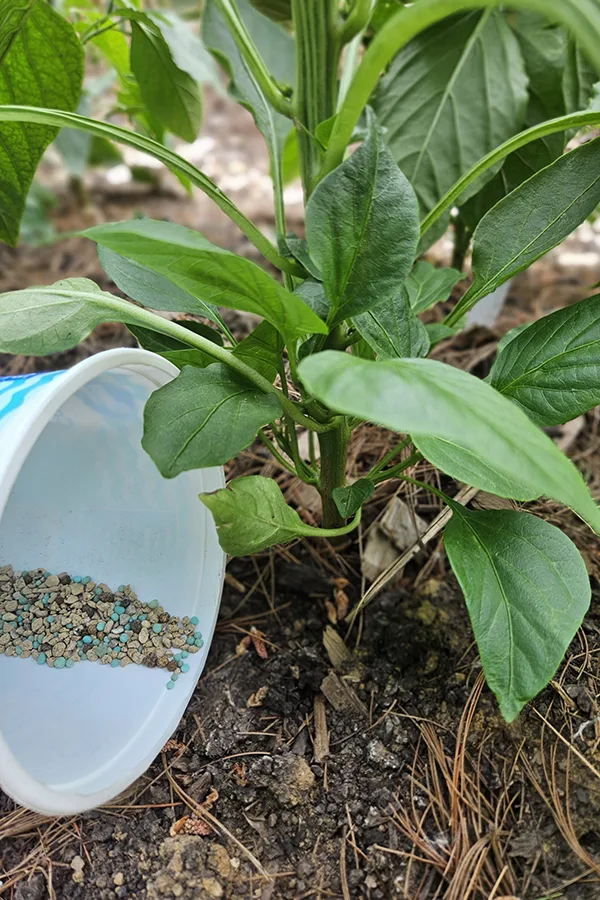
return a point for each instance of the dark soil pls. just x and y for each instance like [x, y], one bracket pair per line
[307, 814]
[321, 761]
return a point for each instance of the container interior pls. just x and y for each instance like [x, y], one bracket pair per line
[89, 501]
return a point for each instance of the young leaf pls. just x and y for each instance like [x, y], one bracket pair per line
[208, 272]
[171, 96]
[34, 72]
[527, 591]
[313, 294]
[298, 247]
[392, 329]
[451, 96]
[203, 418]
[262, 350]
[552, 368]
[532, 219]
[362, 228]
[428, 285]
[459, 423]
[278, 51]
[152, 290]
[349, 499]
[188, 52]
[251, 514]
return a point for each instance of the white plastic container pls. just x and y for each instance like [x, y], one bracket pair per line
[78, 494]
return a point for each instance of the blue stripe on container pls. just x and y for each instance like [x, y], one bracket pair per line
[18, 395]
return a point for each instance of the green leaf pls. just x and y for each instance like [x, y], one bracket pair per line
[208, 272]
[204, 417]
[262, 350]
[290, 158]
[177, 352]
[349, 499]
[103, 153]
[187, 50]
[298, 247]
[278, 10]
[251, 514]
[392, 329]
[511, 335]
[532, 219]
[37, 228]
[42, 320]
[32, 73]
[152, 290]
[362, 229]
[451, 96]
[437, 331]
[171, 96]
[111, 42]
[552, 369]
[579, 78]
[278, 51]
[527, 591]
[428, 285]
[544, 50]
[313, 294]
[459, 423]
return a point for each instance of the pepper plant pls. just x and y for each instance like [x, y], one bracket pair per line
[461, 110]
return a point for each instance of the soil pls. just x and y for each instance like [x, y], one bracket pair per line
[318, 759]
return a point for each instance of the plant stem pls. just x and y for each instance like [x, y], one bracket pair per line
[310, 531]
[552, 126]
[395, 471]
[317, 55]
[389, 457]
[256, 64]
[333, 446]
[430, 487]
[275, 453]
[462, 239]
[351, 60]
[177, 163]
[144, 317]
[581, 17]
[357, 20]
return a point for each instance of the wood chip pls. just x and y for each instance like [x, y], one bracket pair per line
[342, 696]
[337, 651]
[321, 746]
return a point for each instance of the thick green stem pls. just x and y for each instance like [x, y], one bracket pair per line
[318, 48]
[581, 17]
[333, 445]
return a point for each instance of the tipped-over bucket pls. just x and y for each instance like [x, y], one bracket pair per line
[78, 494]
